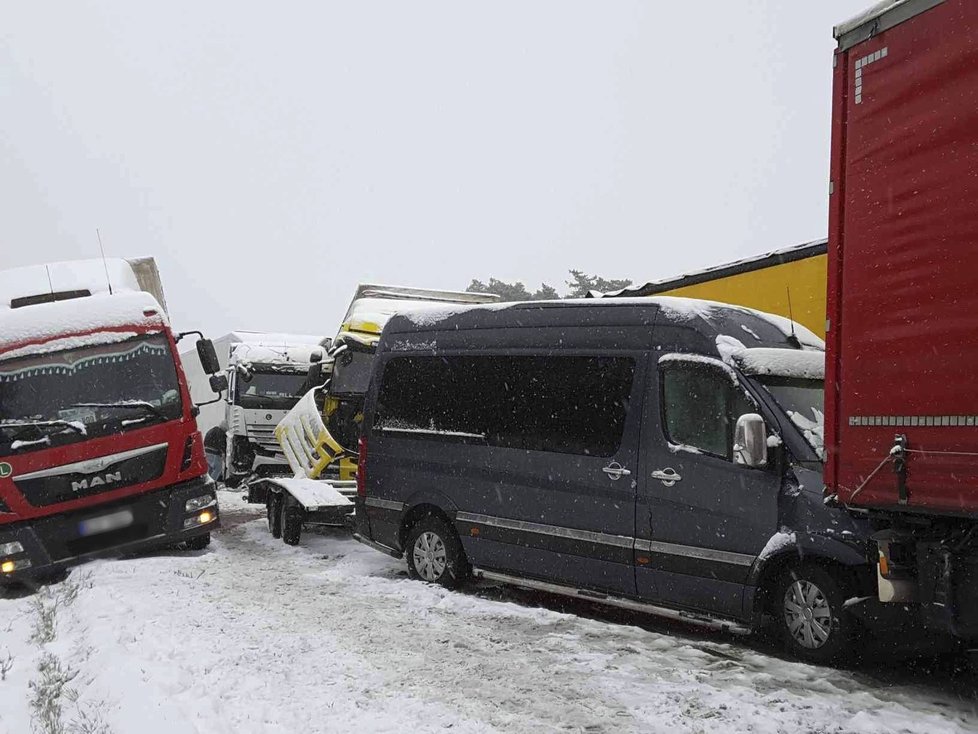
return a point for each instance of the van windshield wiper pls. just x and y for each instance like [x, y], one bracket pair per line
[130, 405]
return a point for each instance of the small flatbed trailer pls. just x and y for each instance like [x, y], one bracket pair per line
[292, 503]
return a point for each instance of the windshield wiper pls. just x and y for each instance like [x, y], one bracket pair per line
[25, 426]
[134, 405]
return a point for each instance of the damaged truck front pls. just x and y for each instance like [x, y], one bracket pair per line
[99, 450]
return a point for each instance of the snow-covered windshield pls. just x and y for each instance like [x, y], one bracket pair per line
[803, 402]
[279, 390]
[63, 397]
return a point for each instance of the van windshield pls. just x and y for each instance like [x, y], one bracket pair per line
[803, 402]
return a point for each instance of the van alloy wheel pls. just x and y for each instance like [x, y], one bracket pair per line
[808, 614]
[430, 559]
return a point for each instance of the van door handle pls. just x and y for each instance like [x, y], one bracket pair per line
[667, 476]
[615, 471]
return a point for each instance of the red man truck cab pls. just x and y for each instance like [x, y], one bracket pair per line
[99, 450]
[901, 387]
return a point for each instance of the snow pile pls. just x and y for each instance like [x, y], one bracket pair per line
[74, 275]
[83, 319]
[813, 429]
[797, 363]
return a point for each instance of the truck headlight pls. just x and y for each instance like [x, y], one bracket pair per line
[199, 503]
[11, 566]
[9, 549]
[202, 519]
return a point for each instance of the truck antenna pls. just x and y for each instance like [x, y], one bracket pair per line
[105, 265]
[793, 339]
[47, 269]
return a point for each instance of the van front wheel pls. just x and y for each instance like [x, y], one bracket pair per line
[434, 553]
[809, 603]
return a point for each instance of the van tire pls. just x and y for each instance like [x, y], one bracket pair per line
[291, 523]
[440, 558]
[273, 508]
[808, 602]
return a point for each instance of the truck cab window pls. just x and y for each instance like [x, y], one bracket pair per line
[700, 407]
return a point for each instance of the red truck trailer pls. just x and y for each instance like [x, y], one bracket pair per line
[99, 450]
[901, 402]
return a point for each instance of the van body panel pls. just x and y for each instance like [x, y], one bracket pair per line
[603, 523]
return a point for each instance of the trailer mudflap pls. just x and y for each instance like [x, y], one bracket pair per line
[948, 585]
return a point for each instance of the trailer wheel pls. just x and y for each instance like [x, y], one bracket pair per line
[273, 508]
[434, 553]
[291, 523]
[198, 543]
[809, 604]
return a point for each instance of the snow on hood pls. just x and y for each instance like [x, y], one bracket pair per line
[91, 275]
[798, 363]
[86, 321]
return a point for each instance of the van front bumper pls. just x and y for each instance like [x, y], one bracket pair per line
[134, 524]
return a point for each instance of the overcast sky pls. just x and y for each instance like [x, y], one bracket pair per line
[273, 155]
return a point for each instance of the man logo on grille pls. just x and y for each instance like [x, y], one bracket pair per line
[96, 481]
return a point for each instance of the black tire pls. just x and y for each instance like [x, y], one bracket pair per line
[291, 523]
[273, 508]
[808, 603]
[198, 543]
[435, 554]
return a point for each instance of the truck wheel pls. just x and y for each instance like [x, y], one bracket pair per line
[273, 508]
[291, 523]
[198, 543]
[434, 553]
[808, 603]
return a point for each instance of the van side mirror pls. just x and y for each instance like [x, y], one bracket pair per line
[208, 356]
[750, 441]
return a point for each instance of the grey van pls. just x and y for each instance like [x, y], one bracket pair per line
[657, 454]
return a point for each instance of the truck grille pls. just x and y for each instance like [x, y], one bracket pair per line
[87, 478]
[264, 436]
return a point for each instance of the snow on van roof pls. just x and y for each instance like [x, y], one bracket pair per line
[71, 275]
[677, 308]
[797, 363]
[78, 318]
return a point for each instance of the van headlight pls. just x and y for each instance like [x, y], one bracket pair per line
[199, 503]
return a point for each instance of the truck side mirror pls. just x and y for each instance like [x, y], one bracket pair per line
[208, 356]
[750, 441]
[219, 383]
[315, 374]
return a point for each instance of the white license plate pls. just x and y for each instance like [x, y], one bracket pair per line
[105, 523]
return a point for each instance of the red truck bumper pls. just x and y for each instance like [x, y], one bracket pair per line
[151, 520]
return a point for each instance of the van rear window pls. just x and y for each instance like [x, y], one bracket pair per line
[574, 405]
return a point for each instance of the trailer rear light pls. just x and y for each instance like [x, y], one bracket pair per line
[884, 565]
[362, 467]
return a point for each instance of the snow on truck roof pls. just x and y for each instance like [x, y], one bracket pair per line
[93, 276]
[76, 322]
[878, 18]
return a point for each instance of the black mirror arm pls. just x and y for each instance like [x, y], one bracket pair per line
[182, 334]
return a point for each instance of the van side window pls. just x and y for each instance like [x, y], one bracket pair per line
[700, 406]
[574, 405]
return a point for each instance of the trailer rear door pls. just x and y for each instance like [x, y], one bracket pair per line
[902, 345]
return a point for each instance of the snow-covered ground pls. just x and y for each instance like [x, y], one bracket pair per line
[254, 636]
